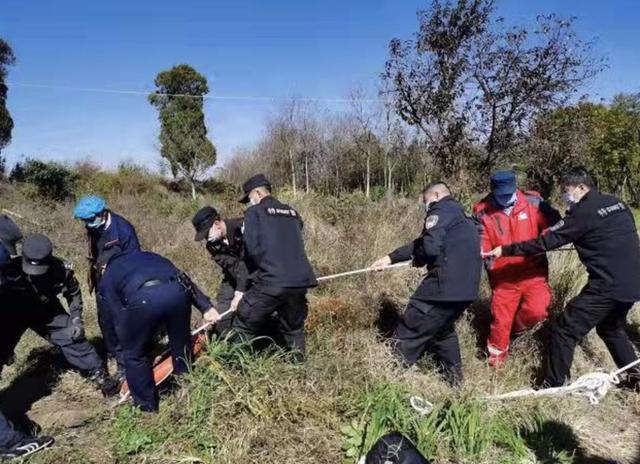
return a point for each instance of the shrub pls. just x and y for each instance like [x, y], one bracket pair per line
[49, 180]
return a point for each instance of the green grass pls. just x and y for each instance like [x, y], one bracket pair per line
[239, 407]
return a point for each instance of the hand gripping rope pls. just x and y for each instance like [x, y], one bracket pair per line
[594, 386]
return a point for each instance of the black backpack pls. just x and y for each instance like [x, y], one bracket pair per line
[394, 448]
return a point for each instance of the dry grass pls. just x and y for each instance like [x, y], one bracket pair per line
[240, 408]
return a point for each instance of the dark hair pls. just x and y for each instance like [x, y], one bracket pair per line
[576, 176]
[433, 184]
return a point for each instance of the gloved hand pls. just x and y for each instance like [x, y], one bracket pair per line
[236, 301]
[77, 329]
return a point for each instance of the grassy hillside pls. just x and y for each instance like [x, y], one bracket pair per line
[236, 408]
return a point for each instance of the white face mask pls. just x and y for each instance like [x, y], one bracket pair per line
[568, 198]
[214, 235]
[252, 201]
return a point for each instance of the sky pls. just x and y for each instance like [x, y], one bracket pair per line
[71, 52]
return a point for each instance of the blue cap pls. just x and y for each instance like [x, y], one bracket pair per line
[503, 183]
[5, 257]
[89, 206]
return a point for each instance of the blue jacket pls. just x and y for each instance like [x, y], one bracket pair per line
[126, 273]
[450, 249]
[115, 237]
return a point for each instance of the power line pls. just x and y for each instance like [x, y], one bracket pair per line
[204, 97]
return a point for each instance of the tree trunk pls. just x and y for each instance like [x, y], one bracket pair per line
[368, 181]
[306, 171]
[293, 174]
[193, 188]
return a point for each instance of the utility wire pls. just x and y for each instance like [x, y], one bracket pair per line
[204, 97]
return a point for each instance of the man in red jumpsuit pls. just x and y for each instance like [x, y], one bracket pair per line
[520, 291]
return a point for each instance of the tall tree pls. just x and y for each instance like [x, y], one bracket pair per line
[7, 58]
[466, 78]
[183, 132]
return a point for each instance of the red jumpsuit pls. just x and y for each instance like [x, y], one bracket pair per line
[520, 290]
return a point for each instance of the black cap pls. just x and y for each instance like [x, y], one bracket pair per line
[259, 180]
[36, 254]
[10, 234]
[203, 220]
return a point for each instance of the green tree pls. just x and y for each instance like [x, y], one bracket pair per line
[614, 151]
[7, 58]
[604, 138]
[183, 133]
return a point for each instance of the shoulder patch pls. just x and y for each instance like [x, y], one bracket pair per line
[286, 212]
[557, 225]
[431, 221]
[68, 265]
[533, 199]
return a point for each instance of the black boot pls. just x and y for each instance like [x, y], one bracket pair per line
[107, 385]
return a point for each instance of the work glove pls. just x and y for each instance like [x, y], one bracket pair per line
[236, 301]
[77, 329]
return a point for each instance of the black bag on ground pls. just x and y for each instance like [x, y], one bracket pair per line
[394, 448]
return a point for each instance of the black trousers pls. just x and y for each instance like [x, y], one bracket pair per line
[260, 302]
[429, 328]
[226, 293]
[51, 322]
[587, 311]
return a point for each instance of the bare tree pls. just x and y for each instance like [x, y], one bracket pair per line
[467, 79]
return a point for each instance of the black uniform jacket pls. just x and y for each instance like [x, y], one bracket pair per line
[604, 233]
[450, 248]
[59, 280]
[229, 255]
[274, 246]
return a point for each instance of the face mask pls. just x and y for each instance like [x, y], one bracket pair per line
[505, 201]
[214, 236]
[97, 222]
[569, 199]
[252, 201]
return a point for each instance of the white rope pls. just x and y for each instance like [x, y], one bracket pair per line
[593, 386]
[361, 271]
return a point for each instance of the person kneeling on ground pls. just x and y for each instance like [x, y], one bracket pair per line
[14, 443]
[35, 281]
[146, 292]
[450, 249]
